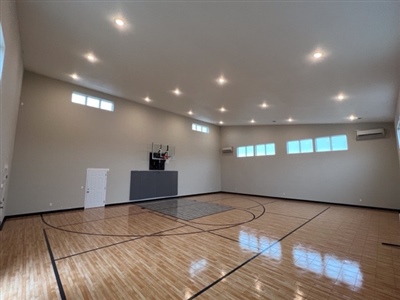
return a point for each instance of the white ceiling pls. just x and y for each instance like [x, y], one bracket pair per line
[262, 48]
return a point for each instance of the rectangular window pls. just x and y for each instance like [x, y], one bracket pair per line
[323, 144]
[92, 101]
[293, 147]
[250, 150]
[79, 99]
[260, 150]
[306, 146]
[302, 146]
[241, 151]
[265, 149]
[331, 143]
[339, 142]
[245, 151]
[270, 149]
[107, 105]
[200, 128]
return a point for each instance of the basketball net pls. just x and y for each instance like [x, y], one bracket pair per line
[167, 158]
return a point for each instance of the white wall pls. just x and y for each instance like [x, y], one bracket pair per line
[369, 170]
[10, 88]
[58, 140]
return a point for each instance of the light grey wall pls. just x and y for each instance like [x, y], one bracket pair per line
[369, 170]
[10, 88]
[58, 140]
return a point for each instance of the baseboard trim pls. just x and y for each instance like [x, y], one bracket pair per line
[2, 223]
[313, 201]
[194, 195]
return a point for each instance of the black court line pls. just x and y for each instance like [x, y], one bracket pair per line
[253, 257]
[392, 245]
[224, 237]
[200, 230]
[271, 213]
[176, 219]
[89, 221]
[114, 244]
[53, 263]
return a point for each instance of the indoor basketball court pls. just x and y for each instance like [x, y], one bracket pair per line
[216, 246]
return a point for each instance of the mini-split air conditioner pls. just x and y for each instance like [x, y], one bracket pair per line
[227, 150]
[370, 134]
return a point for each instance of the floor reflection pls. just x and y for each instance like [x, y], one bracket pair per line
[343, 271]
[197, 266]
[251, 242]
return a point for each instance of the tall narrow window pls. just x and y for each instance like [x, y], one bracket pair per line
[2, 51]
[398, 133]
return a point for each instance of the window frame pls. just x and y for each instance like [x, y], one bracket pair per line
[249, 151]
[266, 149]
[332, 147]
[86, 99]
[200, 128]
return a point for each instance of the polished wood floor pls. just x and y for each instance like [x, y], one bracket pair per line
[263, 248]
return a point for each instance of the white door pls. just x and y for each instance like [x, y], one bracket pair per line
[96, 184]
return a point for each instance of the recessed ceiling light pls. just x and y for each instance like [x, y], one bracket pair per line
[252, 121]
[341, 97]
[221, 122]
[147, 99]
[264, 105]
[317, 55]
[74, 76]
[190, 112]
[91, 57]
[177, 92]
[352, 118]
[119, 22]
[222, 109]
[221, 80]
[290, 120]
